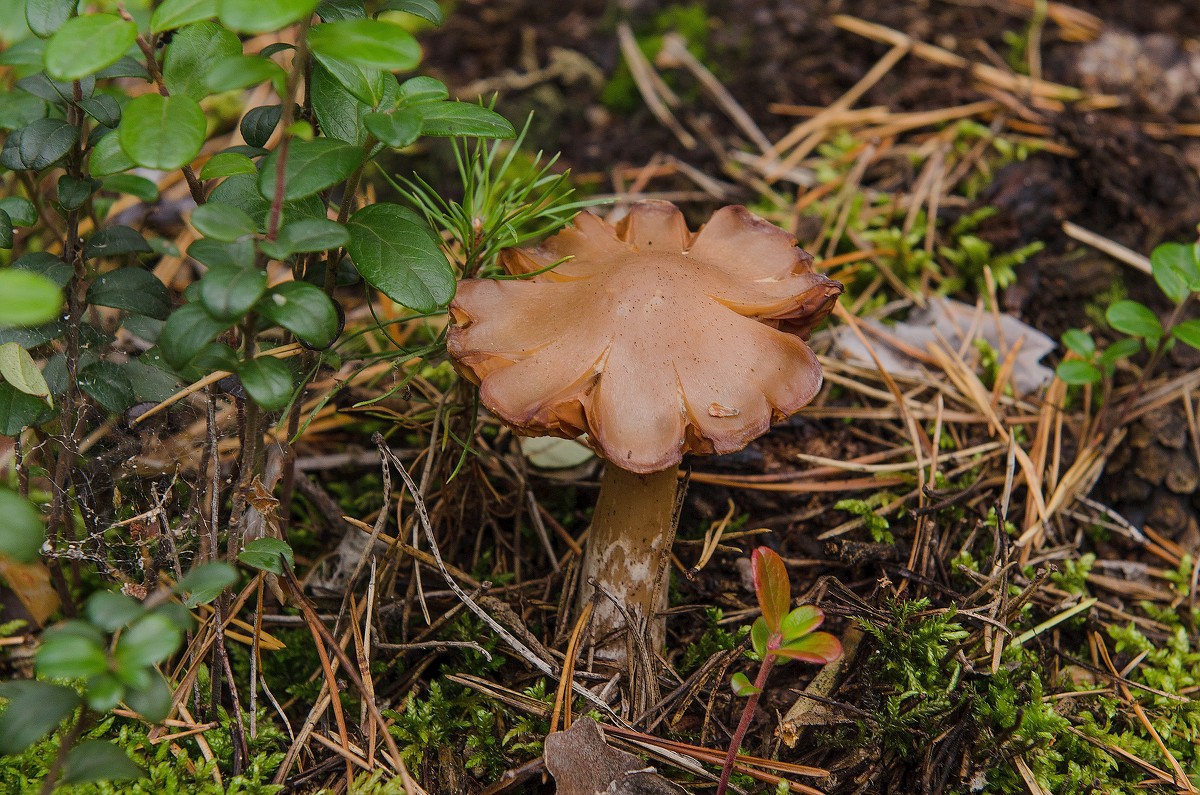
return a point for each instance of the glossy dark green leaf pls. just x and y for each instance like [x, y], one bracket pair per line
[103, 109]
[303, 310]
[19, 411]
[338, 10]
[56, 91]
[177, 13]
[311, 167]
[34, 710]
[242, 71]
[429, 10]
[265, 554]
[314, 234]
[399, 128]
[115, 241]
[47, 265]
[268, 381]
[364, 83]
[367, 42]
[148, 641]
[23, 533]
[97, 760]
[422, 89]
[27, 299]
[226, 164]
[85, 45]
[152, 702]
[108, 385]
[132, 289]
[214, 253]
[1187, 332]
[242, 192]
[463, 118]
[259, 123]
[338, 109]
[107, 158]
[228, 292]
[205, 583]
[222, 221]
[46, 16]
[193, 52]
[20, 210]
[397, 254]
[188, 330]
[46, 142]
[27, 52]
[6, 231]
[18, 109]
[111, 610]
[132, 184]
[150, 382]
[260, 16]
[162, 133]
[1134, 319]
[72, 650]
[126, 66]
[104, 692]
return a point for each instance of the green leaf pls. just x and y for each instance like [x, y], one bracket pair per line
[463, 118]
[312, 234]
[191, 57]
[104, 692]
[1134, 319]
[19, 411]
[115, 241]
[108, 385]
[242, 192]
[17, 368]
[1121, 349]
[428, 10]
[228, 292]
[45, 142]
[336, 10]
[268, 381]
[187, 331]
[259, 123]
[103, 109]
[85, 45]
[760, 637]
[227, 164]
[126, 66]
[27, 299]
[1076, 372]
[214, 253]
[771, 585]
[801, 621]
[398, 129]
[162, 133]
[367, 42]
[20, 210]
[265, 554]
[46, 265]
[311, 167]
[18, 109]
[303, 310]
[177, 13]
[6, 231]
[72, 650]
[107, 158]
[816, 647]
[1079, 341]
[23, 529]
[34, 710]
[1167, 263]
[1187, 332]
[97, 760]
[205, 583]
[741, 685]
[111, 610]
[242, 71]
[420, 90]
[152, 702]
[222, 221]
[397, 254]
[132, 289]
[136, 186]
[148, 641]
[260, 16]
[46, 16]
[340, 102]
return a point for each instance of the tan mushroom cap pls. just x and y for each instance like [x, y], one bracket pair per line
[652, 340]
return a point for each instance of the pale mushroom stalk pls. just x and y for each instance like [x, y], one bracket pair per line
[628, 555]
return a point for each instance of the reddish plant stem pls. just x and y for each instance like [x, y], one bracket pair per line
[735, 742]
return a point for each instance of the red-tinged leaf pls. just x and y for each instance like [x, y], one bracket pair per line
[800, 622]
[741, 685]
[818, 647]
[772, 586]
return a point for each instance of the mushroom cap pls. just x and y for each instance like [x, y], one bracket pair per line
[651, 340]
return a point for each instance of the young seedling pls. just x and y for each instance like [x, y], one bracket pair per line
[778, 635]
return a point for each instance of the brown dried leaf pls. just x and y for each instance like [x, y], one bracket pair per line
[582, 763]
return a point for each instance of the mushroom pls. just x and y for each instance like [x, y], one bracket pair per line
[646, 342]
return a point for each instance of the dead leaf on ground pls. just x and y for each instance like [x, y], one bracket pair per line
[582, 763]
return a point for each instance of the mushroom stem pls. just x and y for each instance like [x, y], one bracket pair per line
[628, 556]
